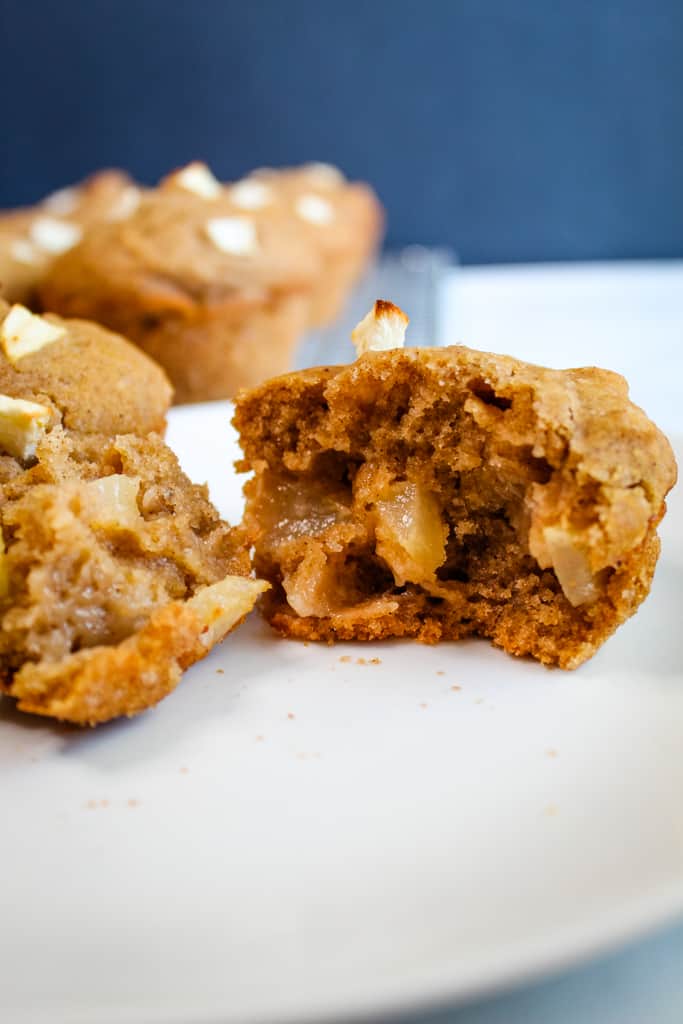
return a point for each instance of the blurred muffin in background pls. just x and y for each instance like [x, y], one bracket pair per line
[343, 219]
[214, 285]
[32, 237]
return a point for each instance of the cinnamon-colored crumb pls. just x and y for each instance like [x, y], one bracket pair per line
[445, 493]
[117, 571]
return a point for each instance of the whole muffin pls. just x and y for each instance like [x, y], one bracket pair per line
[31, 238]
[216, 293]
[344, 220]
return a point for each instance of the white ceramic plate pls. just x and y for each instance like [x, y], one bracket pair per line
[304, 831]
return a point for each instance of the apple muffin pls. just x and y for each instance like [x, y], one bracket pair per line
[91, 379]
[214, 290]
[344, 220]
[444, 493]
[31, 238]
[116, 572]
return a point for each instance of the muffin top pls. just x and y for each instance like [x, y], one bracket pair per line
[108, 195]
[337, 215]
[189, 242]
[32, 237]
[85, 377]
[21, 264]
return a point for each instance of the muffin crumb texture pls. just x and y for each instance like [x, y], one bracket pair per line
[445, 493]
[116, 572]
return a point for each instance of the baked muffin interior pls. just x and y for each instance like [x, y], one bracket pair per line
[446, 493]
[116, 572]
[98, 534]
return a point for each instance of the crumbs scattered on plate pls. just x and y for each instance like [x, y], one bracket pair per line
[93, 805]
[346, 659]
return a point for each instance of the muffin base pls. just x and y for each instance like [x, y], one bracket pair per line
[209, 356]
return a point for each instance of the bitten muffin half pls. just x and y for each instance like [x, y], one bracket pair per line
[116, 572]
[443, 493]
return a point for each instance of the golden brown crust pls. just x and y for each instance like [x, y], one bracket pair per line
[164, 257]
[20, 269]
[384, 308]
[101, 683]
[356, 220]
[116, 572]
[208, 355]
[103, 605]
[221, 309]
[550, 483]
[26, 254]
[344, 220]
[98, 381]
[215, 319]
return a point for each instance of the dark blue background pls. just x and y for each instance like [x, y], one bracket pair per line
[536, 129]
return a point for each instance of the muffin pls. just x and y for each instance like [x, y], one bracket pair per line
[116, 572]
[94, 381]
[444, 493]
[217, 294]
[31, 238]
[344, 220]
